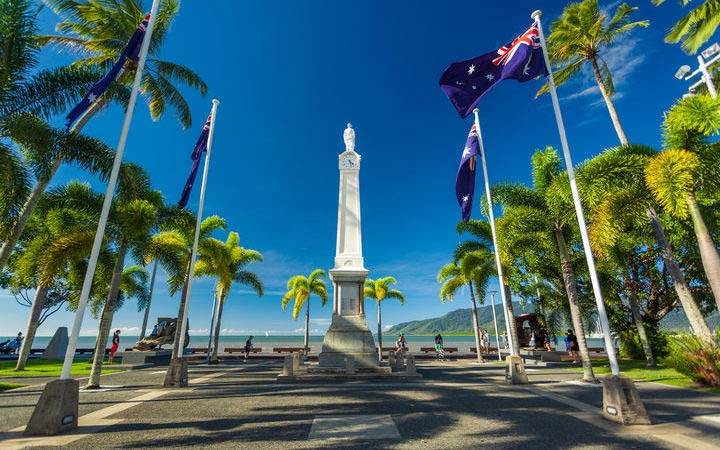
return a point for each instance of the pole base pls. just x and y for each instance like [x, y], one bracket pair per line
[621, 401]
[56, 410]
[515, 370]
[177, 374]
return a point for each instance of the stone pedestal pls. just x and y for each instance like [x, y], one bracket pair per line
[177, 374]
[515, 370]
[348, 337]
[56, 410]
[621, 401]
[150, 357]
[58, 345]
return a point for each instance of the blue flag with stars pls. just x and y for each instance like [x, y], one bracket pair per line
[466, 82]
[465, 182]
[200, 147]
[131, 51]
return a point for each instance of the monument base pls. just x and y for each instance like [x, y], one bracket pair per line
[621, 401]
[348, 337]
[149, 357]
[56, 410]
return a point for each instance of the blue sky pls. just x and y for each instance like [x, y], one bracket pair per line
[291, 74]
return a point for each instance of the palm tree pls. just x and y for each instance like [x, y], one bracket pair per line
[697, 27]
[379, 290]
[580, 35]
[101, 29]
[473, 270]
[227, 261]
[616, 192]
[28, 98]
[542, 213]
[172, 248]
[300, 289]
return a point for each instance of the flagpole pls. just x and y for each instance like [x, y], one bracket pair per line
[602, 313]
[183, 328]
[497, 335]
[99, 234]
[491, 215]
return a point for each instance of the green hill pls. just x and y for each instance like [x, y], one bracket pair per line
[677, 321]
[458, 321]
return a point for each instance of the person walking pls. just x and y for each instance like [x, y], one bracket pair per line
[248, 348]
[114, 346]
[572, 343]
[439, 347]
[486, 341]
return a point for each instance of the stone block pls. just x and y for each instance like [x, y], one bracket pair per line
[57, 409]
[57, 346]
[177, 374]
[348, 336]
[349, 366]
[149, 357]
[622, 403]
[411, 369]
[391, 359]
[399, 361]
[515, 370]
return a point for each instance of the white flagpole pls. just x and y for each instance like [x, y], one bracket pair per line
[183, 328]
[494, 235]
[97, 244]
[602, 313]
[497, 335]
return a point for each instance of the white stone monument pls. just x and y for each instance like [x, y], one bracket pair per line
[348, 335]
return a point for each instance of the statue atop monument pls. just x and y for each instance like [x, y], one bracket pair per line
[349, 138]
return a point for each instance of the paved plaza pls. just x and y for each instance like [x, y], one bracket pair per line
[458, 405]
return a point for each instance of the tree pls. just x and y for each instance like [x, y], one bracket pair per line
[133, 215]
[300, 289]
[543, 213]
[697, 27]
[227, 261]
[581, 35]
[172, 247]
[101, 29]
[27, 99]
[473, 270]
[621, 203]
[379, 290]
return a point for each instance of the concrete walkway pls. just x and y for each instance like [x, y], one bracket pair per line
[457, 405]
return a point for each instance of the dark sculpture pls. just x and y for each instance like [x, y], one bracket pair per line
[163, 333]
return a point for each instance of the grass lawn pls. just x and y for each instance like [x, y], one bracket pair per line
[636, 370]
[46, 368]
[6, 386]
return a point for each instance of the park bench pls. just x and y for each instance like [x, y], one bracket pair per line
[445, 349]
[387, 349]
[241, 349]
[474, 349]
[288, 349]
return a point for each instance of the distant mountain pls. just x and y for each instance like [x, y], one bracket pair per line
[458, 321]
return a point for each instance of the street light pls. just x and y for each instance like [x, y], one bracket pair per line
[706, 58]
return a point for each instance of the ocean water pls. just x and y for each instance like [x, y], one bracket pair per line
[267, 343]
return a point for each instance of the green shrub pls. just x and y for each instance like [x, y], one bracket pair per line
[630, 346]
[695, 358]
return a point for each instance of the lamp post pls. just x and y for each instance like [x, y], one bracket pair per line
[497, 338]
[706, 58]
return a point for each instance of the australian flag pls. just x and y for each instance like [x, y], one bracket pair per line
[200, 147]
[131, 51]
[466, 81]
[465, 182]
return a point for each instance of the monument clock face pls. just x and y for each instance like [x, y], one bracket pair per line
[348, 162]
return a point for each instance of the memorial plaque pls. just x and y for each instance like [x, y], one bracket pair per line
[349, 303]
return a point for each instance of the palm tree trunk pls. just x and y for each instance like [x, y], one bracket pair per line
[695, 317]
[147, 307]
[177, 352]
[571, 289]
[708, 252]
[631, 289]
[511, 318]
[39, 189]
[379, 332]
[106, 319]
[608, 102]
[216, 338]
[307, 326]
[475, 323]
[37, 307]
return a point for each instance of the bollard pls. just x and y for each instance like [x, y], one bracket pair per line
[622, 403]
[515, 370]
[411, 369]
[399, 361]
[391, 359]
[288, 366]
[297, 357]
